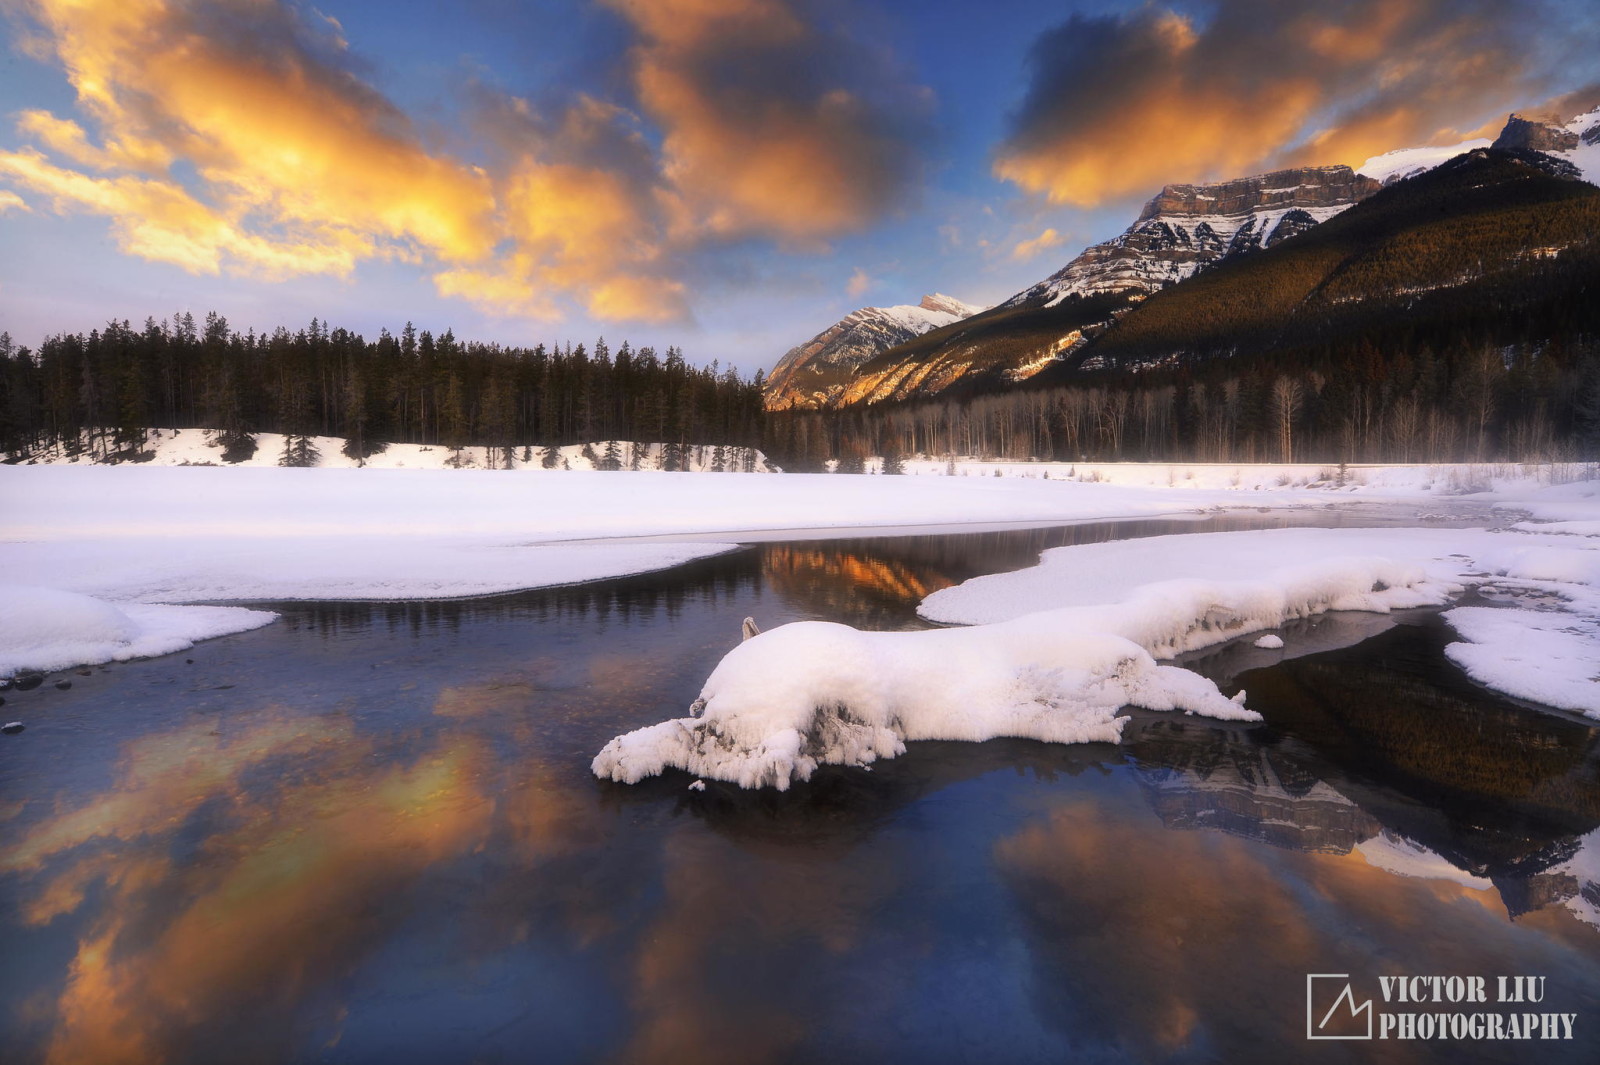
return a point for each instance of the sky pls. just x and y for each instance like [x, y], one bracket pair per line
[729, 176]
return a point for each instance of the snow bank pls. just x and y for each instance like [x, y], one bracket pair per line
[1544, 656]
[1549, 656]
[326, 568]
[45, 629]
[1288, 570]
[813, 693]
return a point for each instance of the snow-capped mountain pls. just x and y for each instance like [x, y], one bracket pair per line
[1188, 227]
[1047, 329]
[812, 373]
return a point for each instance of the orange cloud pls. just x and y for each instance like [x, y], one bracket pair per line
[1027, 249]
[773, 126]
[1120, 105]
[10, 201]
[233, 136]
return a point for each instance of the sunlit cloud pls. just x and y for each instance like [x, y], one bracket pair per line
[858, 284]
[774, 125]
[238, 137]
[1027, 249]
[10, 201]
[1120, 105]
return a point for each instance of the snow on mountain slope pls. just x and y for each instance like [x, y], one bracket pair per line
[1187, 227]
[1585, 155]
[1409, 162]
[811, 372]
[1576, 142]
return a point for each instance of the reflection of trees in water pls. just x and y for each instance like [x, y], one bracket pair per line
[640, 599]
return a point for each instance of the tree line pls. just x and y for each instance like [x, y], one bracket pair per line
[113, 385]
[1472, 403]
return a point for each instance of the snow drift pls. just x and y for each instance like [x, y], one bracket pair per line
[815, 693]
[45, 629]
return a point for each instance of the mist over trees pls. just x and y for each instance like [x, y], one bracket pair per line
[117, 382]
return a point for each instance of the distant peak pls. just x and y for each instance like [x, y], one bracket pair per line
[938, 301]
[1521, 132]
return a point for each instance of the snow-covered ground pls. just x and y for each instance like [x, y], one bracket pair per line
[199, 447]
[134, 536]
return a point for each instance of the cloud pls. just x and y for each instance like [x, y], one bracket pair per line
[240, 137]
[858, 284]
[775, 125]
[1119, 105]
[1027, 249]
[10, 201]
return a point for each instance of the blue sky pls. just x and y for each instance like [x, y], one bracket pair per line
[726, 175]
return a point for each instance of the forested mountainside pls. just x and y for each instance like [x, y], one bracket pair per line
[411, 388]
[1187, 232]
[1491, 248]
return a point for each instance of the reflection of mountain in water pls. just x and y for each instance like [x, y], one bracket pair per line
[877, 582]
[1486, 783]
[1230, 783]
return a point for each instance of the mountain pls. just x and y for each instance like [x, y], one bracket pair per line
[1188, 227]
[1182, 230]
[1099, 309]
[811, 374]
[1496, 245]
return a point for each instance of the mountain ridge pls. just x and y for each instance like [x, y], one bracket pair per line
[1183, 231]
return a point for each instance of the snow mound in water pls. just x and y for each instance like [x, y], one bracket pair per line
[45, 629]
[816, 693]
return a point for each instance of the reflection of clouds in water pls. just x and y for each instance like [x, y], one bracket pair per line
[735, 964]
[313, 833]
[1180, 941]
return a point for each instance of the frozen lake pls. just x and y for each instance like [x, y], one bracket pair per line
[369, 833]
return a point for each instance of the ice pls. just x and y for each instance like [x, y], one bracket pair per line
[1269, 642]
[47, 629]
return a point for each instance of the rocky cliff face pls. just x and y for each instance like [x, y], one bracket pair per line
[814, 373]
[1185, 228]
[1534, 136]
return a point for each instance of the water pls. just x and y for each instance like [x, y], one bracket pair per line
[368, 833]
